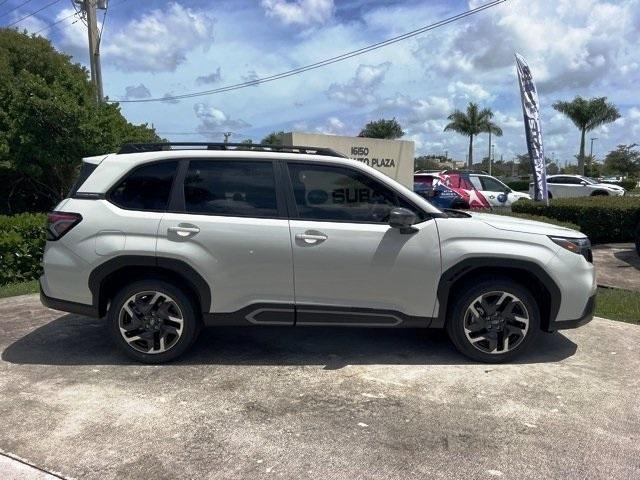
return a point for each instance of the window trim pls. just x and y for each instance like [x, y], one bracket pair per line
[108, 195]
[177, 202]
[293, 207]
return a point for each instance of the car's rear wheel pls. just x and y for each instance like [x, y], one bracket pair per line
[494, 320]
[638, 238]
[153, 321]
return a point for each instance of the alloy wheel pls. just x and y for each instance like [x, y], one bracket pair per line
[151, 322]
[496, 322]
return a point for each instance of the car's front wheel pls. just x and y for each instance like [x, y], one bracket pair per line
[493, 320]
[153, 321]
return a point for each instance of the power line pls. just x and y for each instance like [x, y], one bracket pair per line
[33, 13]
[51, 25]
[325, 62]
[14, 8]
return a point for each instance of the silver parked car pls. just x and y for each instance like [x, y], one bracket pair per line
[162, 239]
[562, 186]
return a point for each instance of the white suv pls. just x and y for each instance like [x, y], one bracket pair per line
[162, 239]
[496, 192]
[561, 186]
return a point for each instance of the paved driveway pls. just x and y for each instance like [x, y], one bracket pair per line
[317, 403]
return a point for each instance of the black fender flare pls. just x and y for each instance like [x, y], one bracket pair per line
[179, 267]
[468, 265]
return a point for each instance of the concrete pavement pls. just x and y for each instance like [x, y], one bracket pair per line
[317, 403]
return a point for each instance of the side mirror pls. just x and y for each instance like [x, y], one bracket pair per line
[403, 220]
[507, 191]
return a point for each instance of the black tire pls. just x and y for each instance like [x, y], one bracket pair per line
[599, 193]
[549, 194]
[189, 330]
[638, 238]
[459, 316]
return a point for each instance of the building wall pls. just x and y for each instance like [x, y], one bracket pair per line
[391, 157]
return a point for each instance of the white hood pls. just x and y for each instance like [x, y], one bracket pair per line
[515, 224]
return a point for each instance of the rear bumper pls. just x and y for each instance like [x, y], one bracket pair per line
[67, 306]
[586, 317]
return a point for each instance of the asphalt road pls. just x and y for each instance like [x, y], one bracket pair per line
[317, 403]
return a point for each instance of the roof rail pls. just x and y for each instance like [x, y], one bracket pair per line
[249, 147]
[477, 172]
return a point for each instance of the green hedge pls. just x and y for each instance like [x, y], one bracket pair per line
[22, 239]
[518, 185]
[602, 219]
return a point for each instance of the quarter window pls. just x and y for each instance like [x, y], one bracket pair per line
[324, 192]
[233, 188]
[492, 185]
[146, 188]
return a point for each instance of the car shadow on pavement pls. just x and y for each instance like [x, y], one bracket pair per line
[630, 257]
[76, 340]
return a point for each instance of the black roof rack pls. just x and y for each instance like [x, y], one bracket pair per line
[249, 147]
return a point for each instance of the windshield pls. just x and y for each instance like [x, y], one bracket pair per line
[590, 181]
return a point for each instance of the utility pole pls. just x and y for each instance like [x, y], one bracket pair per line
[89, 9]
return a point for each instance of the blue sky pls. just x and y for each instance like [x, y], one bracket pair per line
[155, 48]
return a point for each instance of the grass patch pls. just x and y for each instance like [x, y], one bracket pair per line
[618, 304]
[21, 288]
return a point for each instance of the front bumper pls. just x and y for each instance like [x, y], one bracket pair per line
[67, 306]
[586, 317]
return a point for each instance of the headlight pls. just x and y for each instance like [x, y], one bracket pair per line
[581, 246]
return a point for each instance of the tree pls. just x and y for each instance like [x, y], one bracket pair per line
[389, 129]
[587, 115]
[49, 119]
[471, 123]
[624, 160]
[247, 141]
[274, 138]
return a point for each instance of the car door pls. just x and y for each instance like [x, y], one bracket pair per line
[350, 267]
[229, 222]
[494, 191]
[566, 187]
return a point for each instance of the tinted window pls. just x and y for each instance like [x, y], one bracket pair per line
[85, 170]
[553, 180]
[325, 192]
[146, 188]
[234, 188]
[569, 180]
[475, 181]
[492, 185]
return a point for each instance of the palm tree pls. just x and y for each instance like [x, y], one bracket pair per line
[472, 122]
[587, 115]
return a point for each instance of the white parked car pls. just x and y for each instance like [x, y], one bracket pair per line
[162, 239]
[563, 186]
[496, 192]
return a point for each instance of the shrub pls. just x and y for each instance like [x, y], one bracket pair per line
[22, 239]
[602, 219]
[518, 185]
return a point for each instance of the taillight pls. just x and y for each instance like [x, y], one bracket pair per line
[59, 223]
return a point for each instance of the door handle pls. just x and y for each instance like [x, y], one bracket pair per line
[311, 238]
[184, 230]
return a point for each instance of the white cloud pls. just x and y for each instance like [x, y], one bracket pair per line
[213, 121]
[299, 12]
[159, 40]
[133, 92]
[360, 90]
[333, 126]
[470, 91]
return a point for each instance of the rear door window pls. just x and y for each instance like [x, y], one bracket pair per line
[146, 188]
[231, 188]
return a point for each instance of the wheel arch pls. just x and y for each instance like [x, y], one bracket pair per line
[105, 280]
[523, 272]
